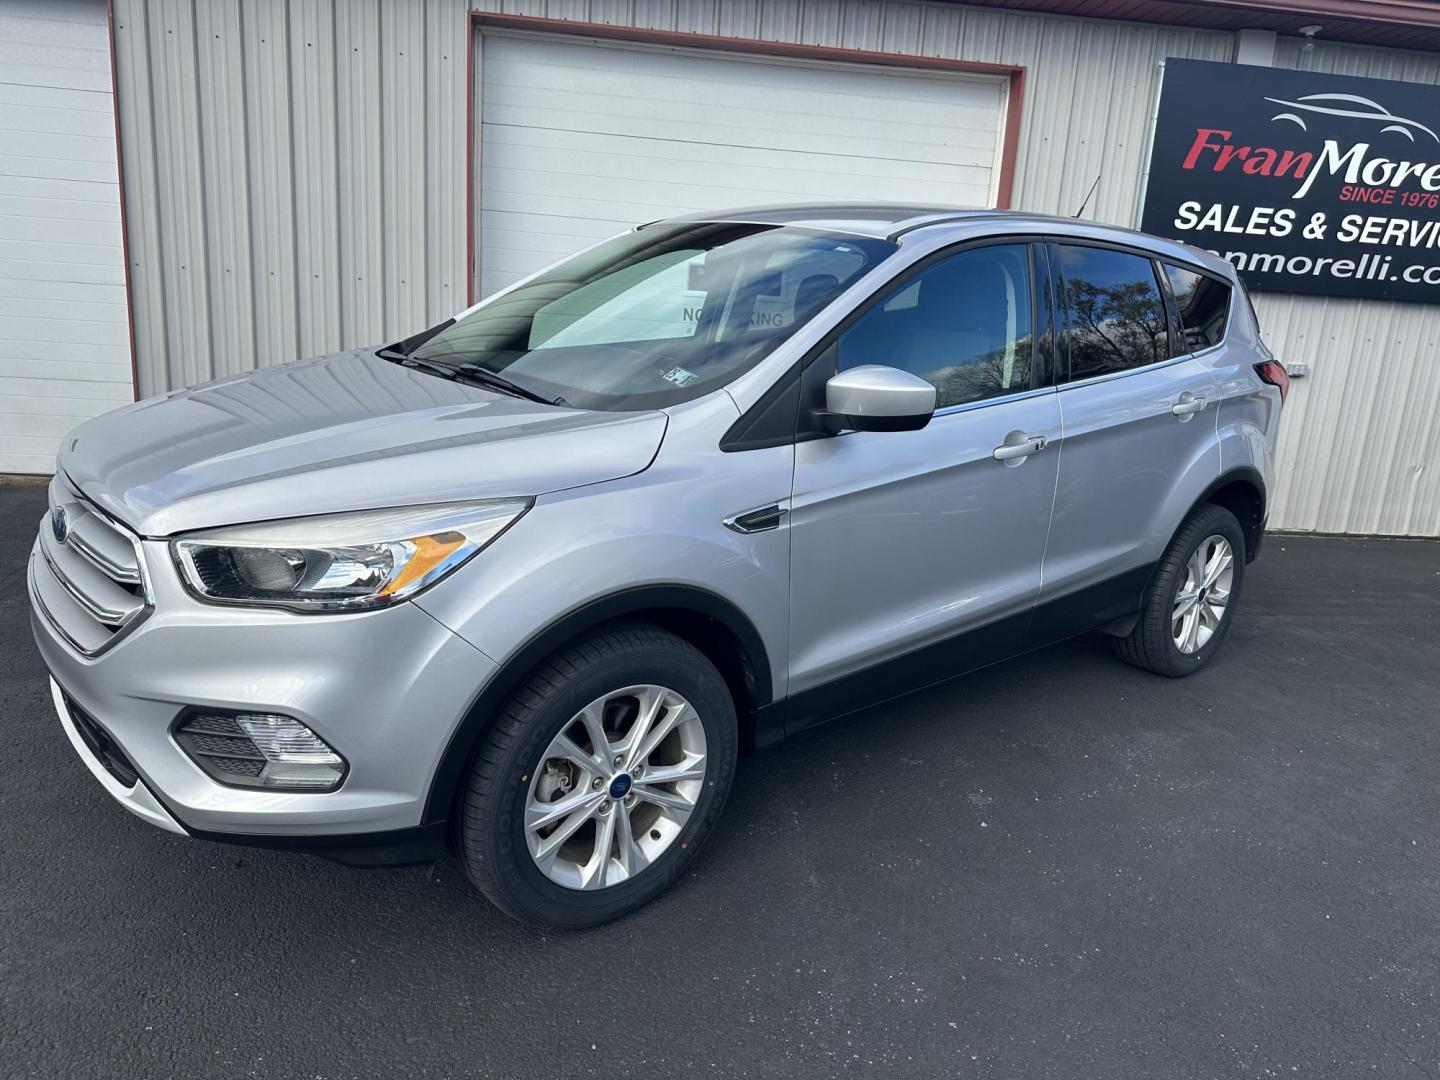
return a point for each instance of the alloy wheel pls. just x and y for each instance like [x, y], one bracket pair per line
[1201, 601]
[615, 787]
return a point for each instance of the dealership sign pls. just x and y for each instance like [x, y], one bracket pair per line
[1308, 183]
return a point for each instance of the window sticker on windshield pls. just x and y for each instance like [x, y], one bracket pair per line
[679, 376]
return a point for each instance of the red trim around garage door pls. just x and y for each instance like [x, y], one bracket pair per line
[480, 20]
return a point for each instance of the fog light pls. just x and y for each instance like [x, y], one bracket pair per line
[260, 750]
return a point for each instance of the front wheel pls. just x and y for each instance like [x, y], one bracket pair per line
[1192, 598]
[600, 779]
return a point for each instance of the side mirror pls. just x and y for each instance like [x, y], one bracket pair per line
[878, 398]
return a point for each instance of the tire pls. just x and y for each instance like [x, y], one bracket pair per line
[1152, 643]
[514, 775]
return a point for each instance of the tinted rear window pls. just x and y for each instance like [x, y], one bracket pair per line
[1115, 319]
[1204, 304]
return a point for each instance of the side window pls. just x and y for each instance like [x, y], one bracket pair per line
[1204, 304]
[1115, 319]
[963, 324]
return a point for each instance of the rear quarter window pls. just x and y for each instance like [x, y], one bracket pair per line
[1204, 304]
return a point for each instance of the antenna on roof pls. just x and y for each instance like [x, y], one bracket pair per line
[1089, 193]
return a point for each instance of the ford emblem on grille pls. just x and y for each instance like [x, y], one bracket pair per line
[59, 524]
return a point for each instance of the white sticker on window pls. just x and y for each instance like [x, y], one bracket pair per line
[679, 376]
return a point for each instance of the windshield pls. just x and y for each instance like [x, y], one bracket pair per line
[657, 316]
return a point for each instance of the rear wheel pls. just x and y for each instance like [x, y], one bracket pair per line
[600, 779]
[1190, 602]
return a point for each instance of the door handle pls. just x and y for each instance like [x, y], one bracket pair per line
[1027, 445]
[1188, 404]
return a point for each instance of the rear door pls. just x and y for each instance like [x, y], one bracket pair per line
[1137, 444]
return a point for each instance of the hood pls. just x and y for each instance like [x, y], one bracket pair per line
[342, 432]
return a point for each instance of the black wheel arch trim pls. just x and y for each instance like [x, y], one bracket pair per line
[454, 763]
[1254, 531]
[1230, 476]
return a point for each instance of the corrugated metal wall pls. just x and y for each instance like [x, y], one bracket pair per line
[295, 176]
[296, 184]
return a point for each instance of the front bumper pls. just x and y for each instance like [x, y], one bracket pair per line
[135, 796]
[386, 688]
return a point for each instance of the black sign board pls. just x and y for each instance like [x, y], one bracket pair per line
[1308, 183]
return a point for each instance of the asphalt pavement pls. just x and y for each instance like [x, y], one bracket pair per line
[1057, 867]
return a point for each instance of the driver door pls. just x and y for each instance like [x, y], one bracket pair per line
[916, 555]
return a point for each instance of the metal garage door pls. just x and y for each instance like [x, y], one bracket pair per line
[64, 333]
[580, 139]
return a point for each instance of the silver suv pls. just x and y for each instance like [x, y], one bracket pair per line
[523, 585]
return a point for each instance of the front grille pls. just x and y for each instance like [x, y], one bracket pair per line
[101, 745]
[92, 583]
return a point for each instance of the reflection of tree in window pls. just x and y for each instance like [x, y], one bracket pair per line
[986, 375]
[1116, 319]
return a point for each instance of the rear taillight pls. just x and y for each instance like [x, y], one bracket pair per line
[1274, 373]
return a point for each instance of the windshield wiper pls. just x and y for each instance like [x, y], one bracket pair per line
[473, 375]
[479, 376]
[395, 356]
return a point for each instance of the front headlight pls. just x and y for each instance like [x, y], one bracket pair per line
[340, 562]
